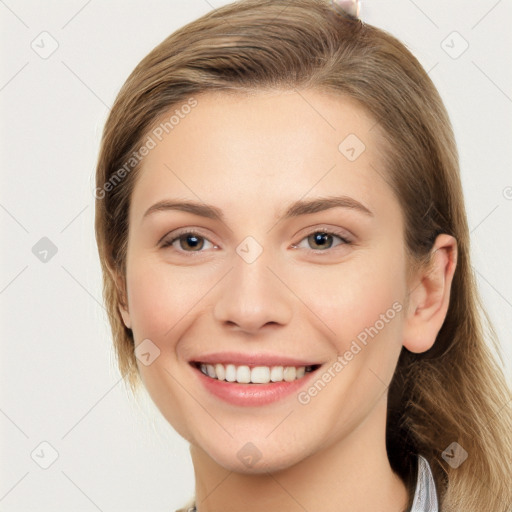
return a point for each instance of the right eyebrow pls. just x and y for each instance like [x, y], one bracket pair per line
[201, 209]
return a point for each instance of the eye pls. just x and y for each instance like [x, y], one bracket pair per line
[188, 241]
[193, 242]
[321, 240]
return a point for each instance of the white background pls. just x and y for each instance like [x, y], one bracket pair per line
[59, 383]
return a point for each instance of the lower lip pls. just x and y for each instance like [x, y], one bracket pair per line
[251, 394]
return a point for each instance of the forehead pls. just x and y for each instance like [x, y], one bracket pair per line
[263, 147]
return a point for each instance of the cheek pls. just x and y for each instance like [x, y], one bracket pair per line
[361, 304]
[160, 297]
[354, 297]
[148, 302]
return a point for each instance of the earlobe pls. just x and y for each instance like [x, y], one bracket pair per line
[125, 315]
[123, 299]
[430, 296]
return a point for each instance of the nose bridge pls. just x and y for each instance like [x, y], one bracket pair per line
[251, 295]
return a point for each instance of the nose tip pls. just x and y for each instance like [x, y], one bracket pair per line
[251, 298]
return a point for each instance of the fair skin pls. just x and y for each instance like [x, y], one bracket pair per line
[252, 156]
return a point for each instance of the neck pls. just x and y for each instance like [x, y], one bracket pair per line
[352, 474]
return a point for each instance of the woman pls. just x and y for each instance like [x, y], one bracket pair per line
[286, 267]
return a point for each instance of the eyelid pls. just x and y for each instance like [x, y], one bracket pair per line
[344, 241]
[343, 235]
[169, 238]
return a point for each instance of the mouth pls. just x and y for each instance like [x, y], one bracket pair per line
[253, 374]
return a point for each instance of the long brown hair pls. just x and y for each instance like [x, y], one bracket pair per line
[455, 392]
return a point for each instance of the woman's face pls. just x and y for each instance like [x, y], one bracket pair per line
[296, 259]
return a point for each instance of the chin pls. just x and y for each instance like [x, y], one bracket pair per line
[254, 457]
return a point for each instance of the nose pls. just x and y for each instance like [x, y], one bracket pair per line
[252, 297]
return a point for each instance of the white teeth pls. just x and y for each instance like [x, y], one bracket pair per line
[276, 374]
[256, 375]
[243, 374]
[220, 371]
[289, 373]
[260, 375]
[230, 373]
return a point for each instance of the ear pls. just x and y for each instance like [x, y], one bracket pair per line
[430, 296]
[123, 297]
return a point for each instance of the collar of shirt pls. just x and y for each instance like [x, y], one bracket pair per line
[425, 496]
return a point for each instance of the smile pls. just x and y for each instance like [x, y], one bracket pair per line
[244, 379]
[244, 374]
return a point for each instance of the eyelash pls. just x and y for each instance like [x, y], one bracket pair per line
[177, 236]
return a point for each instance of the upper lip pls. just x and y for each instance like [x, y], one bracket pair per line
[238, 358]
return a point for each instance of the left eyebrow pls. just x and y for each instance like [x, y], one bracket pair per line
[301, 207]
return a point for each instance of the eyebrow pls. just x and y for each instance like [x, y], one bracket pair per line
[300, 207]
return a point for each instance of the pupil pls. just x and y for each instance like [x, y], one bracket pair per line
[321, 239]
[193, 241]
